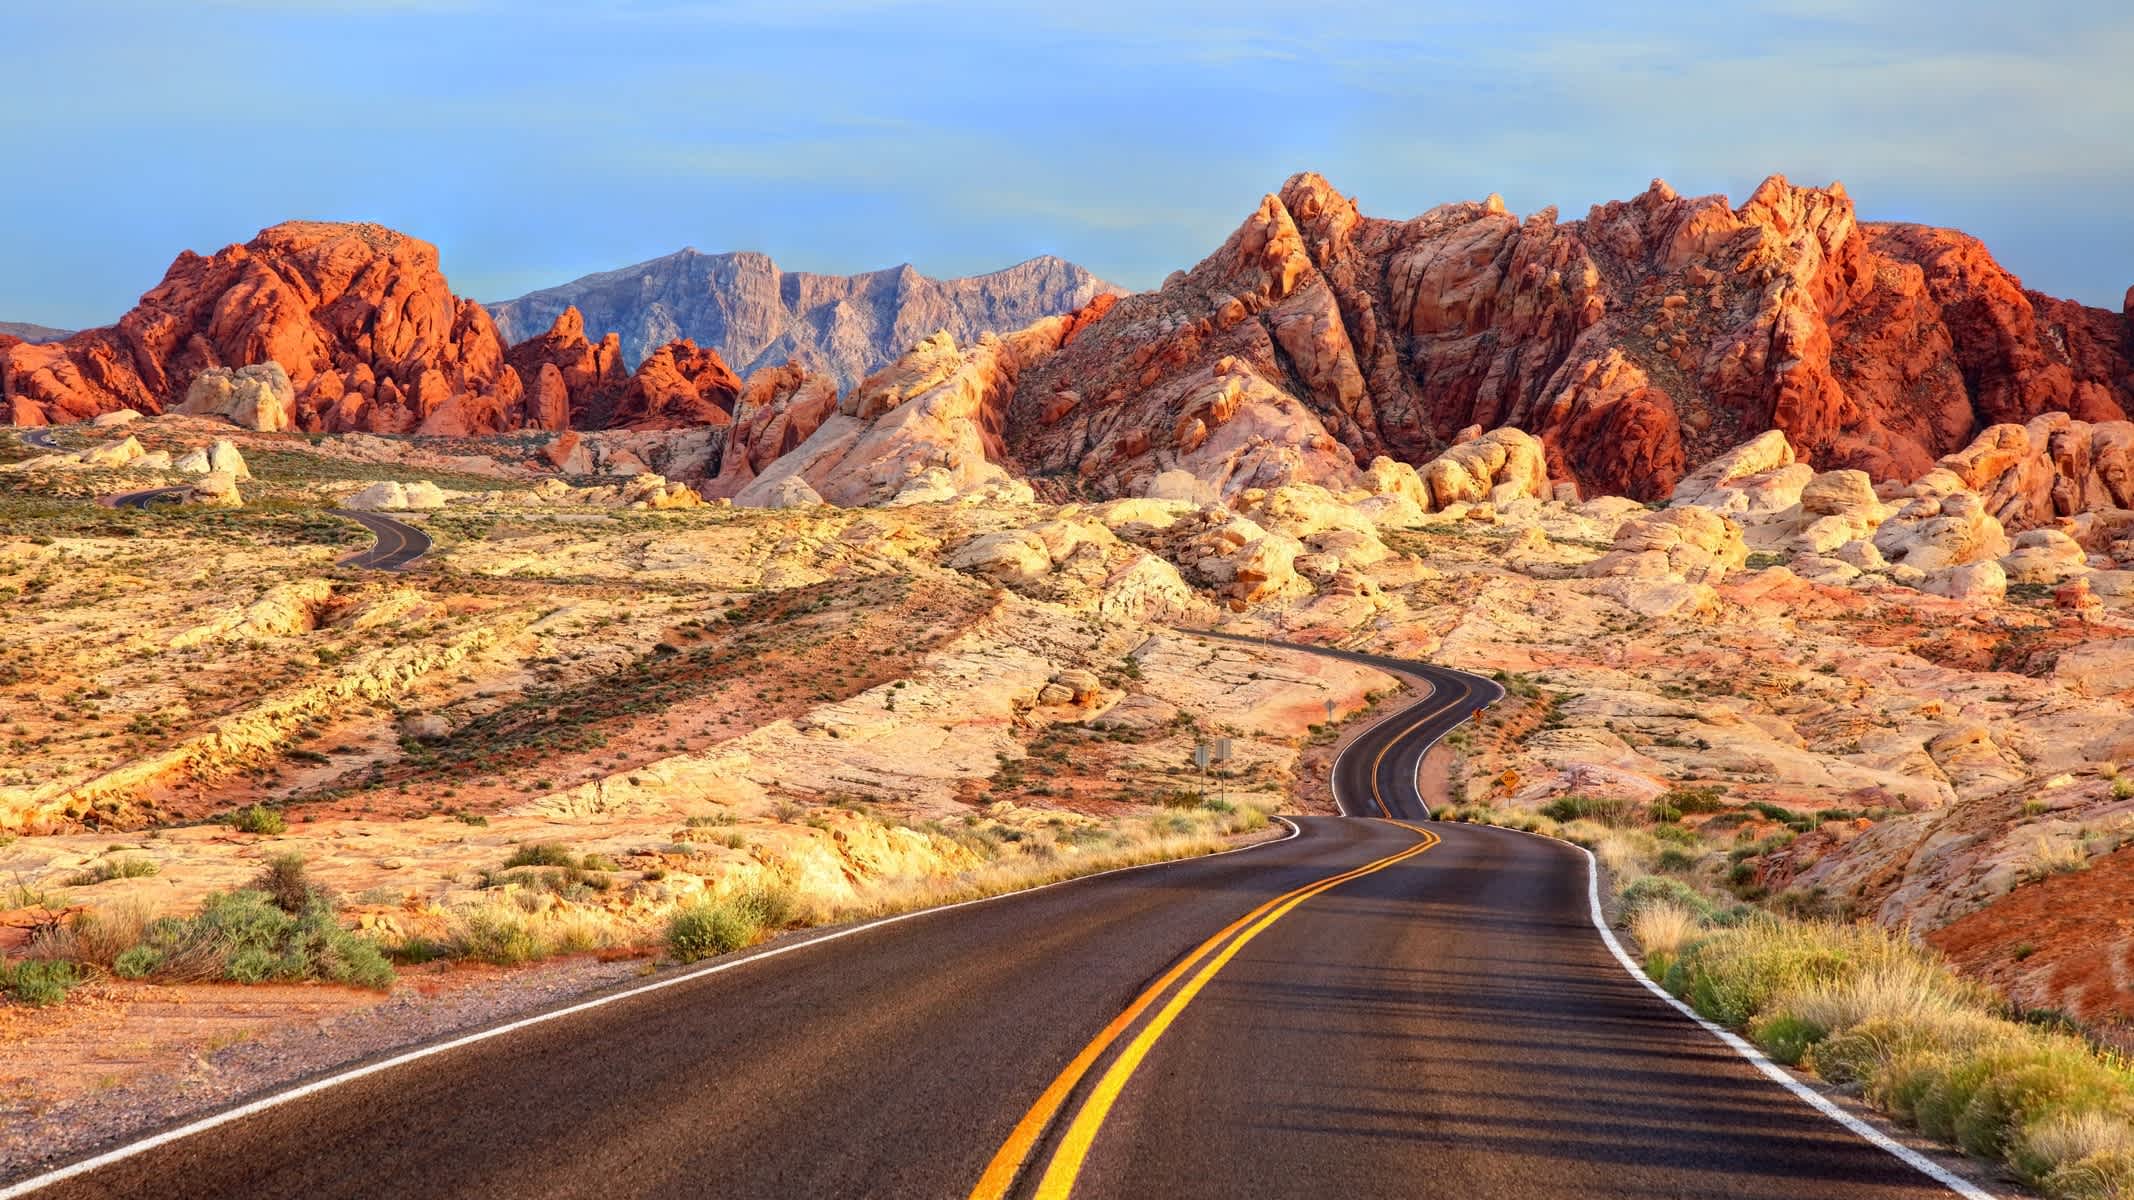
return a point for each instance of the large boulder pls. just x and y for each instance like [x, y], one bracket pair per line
[217, 489]
[1978, 582]
[2044, 556]
[1759, 475]
[223, 456]
[259, 396]
[1503, 464]
[1935, 531]
[123, 453]
[394, 496]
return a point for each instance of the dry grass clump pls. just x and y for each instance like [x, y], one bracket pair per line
[516, 924]
[1662, 929]
[720, 926]
[1160, 838]
[1866, 1007]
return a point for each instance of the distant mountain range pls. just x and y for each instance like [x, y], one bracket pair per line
[33, 333]
[755, 315]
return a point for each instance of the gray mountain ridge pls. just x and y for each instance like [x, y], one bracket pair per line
[34, 333]
[755, 315]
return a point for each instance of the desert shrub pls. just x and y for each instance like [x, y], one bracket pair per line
[492, 933]
[707, 929]
[1608, 810]
[1676, 858]
[96, 935]
[258, 818]
[287, 882]
[243, 936]
[1705, 799]
[1662, 928]
[106, 870]
[541, 854]
[1862, 1005]
[38, 982]
[713, 927]
[1649, 890]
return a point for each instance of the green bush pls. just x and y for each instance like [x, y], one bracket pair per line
[493, 934]
[112, 868]
[1608, 810]
[541, 854]
[258, 818]
[1648, 890]
[714, 927]
[38, 982]
[244, 936]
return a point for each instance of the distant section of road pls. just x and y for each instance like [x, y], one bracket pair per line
[1375, 775]
[145, 497]
[397, 547]
[40, 437]
[399, 544]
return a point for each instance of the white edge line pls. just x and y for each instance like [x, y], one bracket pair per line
[1777, 1074]
[130, 1150]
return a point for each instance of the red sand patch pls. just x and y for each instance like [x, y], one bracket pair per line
[2065, 942]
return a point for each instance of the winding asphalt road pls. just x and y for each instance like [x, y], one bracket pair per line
[1369, 1007]
[397, 547]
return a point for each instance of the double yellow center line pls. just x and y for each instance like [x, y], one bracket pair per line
[1209, 958]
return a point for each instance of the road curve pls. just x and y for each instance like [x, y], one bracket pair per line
[398, 546]
[145, 497]
[1368, 1008]
[1375, 776]
[40, 437]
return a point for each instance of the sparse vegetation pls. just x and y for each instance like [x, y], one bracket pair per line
[107, 869]
[245, 937]
[258, 818]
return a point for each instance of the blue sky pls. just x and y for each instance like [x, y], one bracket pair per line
[537, 141]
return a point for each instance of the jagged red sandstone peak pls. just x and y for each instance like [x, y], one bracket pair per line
[372, 338]
[358, 315]
[1636, 343]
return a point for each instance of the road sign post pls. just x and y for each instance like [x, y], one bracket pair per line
[1200, 760]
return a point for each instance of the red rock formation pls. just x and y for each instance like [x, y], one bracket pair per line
[678, 386]
[590, 375]
[359, 316]
[777, 410]
[1636, 343]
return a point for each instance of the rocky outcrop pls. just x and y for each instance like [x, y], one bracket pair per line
[778, 409]
[1688, 545]
[574, 383]
[257, 397]
[680, 385]
[1501, 465]
[358, 316]
[569, 382]
[2051, 467]
[932, 423]
[1635, 344]
[758, 317]
[216, 489]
